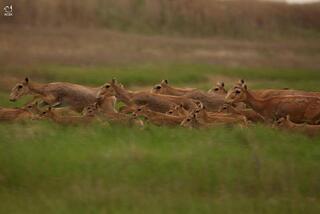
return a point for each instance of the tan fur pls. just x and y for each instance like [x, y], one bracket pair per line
[203, 117]
[28, 112]
[158, 118]
[301, 108]
[50, 113]
[113, 117]
[73, 95]
[286, 123]
[179, 111]
[165, 88]
[218, 89]
[267, 93]
[156, 102]
[248, 113]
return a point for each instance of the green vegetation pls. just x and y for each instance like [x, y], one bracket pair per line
[48, 168]
[199, 75]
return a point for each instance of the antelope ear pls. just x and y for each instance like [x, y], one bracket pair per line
[222, 84]
[245, 87]
[242, 81]
[113, 81]
[164, 82]
[26, 80]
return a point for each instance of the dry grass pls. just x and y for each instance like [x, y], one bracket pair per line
[75, 46]
[245, 18]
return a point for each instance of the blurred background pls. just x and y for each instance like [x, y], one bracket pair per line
[141, 42]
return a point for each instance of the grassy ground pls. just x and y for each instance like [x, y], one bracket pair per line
[98, 169]
[46, 168]
[101, 169]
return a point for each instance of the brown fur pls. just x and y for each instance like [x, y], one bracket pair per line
[156, 102]
[248, 113]
[113, 117]
[158, 118]
[165, 88]
[218, 89]
[301, 108]
[179, 111]
[73, 95]
[286, 123]
[204, 117]
[50, 113]
[28, 112]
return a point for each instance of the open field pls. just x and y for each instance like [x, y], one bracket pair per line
[47, 168]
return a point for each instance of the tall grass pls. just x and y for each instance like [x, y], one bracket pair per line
[245, 18]
[53, 169]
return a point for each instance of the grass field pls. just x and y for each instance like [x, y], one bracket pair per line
[113, 169]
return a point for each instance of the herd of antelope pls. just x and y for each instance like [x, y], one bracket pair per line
[165, 105]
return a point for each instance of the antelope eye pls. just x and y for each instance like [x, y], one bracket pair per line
[188, 119]
[158, 87]
[216, 89]
[139, 109]
[170, 112]
[237, 92]
[20, 86]
[107, 86]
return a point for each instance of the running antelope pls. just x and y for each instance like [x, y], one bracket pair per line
[156, 102]
[287, 124]
[51, 114]
[158, 118]
[300, 108]
[248, 113]
[219, 89]
[111, 116]
[203, 117]
[179, 111]
[28, 112]
[57, 93]
[165, 88]
[210, 100]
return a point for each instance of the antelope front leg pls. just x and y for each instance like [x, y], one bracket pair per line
[52, 100]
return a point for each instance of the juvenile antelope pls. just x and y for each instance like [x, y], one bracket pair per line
[57, 93]
[203, 117]
[178, 110]
[248, 113]
[113, 117]
[210, 100]
[158, 118]
[219, 89]
[286, 123]
[156, 102]
[300, 108]
[51, 114]
[165, 88]
[28, 112]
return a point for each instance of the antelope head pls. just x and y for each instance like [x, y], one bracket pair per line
[159, 88]
[237, 94]
[19, 90]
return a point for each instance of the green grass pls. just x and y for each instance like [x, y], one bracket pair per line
[182, 74]
[48, 168]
